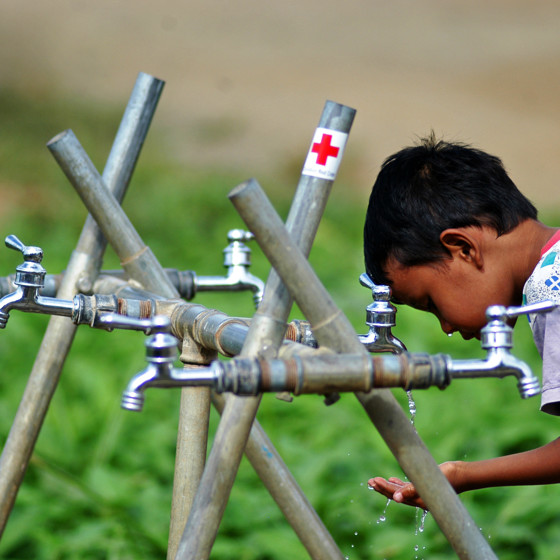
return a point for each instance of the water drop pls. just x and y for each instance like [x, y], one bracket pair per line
[383, 516]
[423, 520]
[411, 407]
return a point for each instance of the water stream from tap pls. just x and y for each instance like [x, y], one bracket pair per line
[411, 407]
[421, 514]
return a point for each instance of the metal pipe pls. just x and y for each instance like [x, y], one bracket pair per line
[84, 263]
[136, 258]
[314, 372]
[192, 441]
[285, 491]
[333, 329]
[182, 280]
[265, 336]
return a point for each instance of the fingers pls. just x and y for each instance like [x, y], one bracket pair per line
[386, 487]
[397, 490]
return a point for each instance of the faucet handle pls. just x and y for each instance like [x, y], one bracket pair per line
[380, 292]
[237, 253]
[239, 235]
[501, 313]
[545, 306]
[30, 253]
[366, 281]
[29, 274]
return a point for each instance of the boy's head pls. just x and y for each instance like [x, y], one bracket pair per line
[428, 189]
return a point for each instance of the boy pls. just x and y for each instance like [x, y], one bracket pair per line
[451, 234]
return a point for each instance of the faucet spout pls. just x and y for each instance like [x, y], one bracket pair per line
[237, 260]
[161, 351]
[382, 340]
[163, 375]
[238, 279]
[499, 363]
[497, 339]
[26, 298]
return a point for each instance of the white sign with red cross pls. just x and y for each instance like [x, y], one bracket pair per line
[325, 153]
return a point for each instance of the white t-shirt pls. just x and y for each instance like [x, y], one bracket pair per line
[544, 284]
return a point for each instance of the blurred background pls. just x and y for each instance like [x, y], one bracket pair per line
[245, 86]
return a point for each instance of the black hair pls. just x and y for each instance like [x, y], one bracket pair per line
[425, 189]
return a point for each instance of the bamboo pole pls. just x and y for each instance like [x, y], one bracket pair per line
[265, 336]
[83, 266]
[141, 265]
[332, 329]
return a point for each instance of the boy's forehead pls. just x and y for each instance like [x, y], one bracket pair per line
[411, 285]
[403, 282]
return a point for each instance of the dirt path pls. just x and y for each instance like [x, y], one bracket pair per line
[246, 81]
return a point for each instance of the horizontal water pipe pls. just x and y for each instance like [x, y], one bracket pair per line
[312, 372]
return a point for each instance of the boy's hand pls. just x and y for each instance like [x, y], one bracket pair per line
[405, 492]
[396, 489]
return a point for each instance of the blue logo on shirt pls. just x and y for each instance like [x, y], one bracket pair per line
[553, 283]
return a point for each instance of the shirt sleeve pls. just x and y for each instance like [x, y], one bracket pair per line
[548, 331]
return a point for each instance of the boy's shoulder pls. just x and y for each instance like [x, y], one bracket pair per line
[544, 282]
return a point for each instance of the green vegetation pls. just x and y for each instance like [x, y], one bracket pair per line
[99, 485]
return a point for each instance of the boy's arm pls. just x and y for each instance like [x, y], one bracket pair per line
[538, 466]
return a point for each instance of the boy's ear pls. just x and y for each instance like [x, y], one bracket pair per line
[464, 244]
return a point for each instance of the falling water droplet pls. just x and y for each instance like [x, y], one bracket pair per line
[411, 407]
[383, 516]
[423, 521]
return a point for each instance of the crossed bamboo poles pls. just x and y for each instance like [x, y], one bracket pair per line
[201, 490]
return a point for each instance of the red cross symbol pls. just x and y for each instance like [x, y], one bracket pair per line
[324, 149]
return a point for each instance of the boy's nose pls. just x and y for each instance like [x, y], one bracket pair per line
[446, 327]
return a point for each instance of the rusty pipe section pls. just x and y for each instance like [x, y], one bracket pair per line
[299, 374]
[330, 372]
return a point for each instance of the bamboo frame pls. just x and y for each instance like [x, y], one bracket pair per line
[292, 278]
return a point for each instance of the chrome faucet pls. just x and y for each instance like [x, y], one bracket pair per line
[82, 309]
[380, 318]
[497, 339]
[161, 352]
[30, 277]
[237, 260]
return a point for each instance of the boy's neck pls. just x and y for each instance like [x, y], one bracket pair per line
[526, 242]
